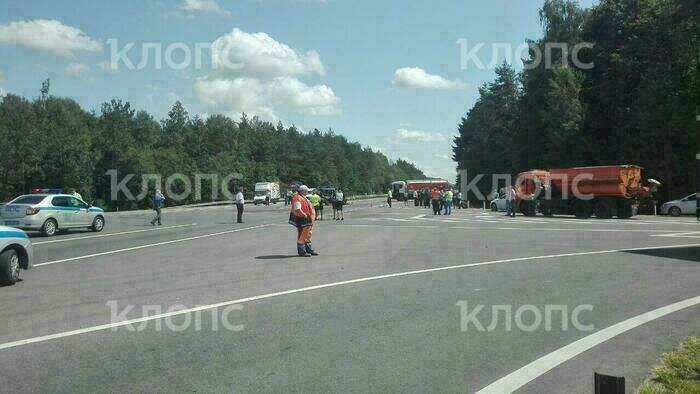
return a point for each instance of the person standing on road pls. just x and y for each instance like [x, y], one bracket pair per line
[338, 201]
[458, 200]
[510, 201]
[388, 197]
[315, 200]
[302, 216]
[435, 198]
[288, 197]
[267, 197]
[415, 198]
[158, 199]
[448, 202]
[240, 201]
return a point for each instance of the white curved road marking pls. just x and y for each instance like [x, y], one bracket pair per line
[537, 368]
[102, 327]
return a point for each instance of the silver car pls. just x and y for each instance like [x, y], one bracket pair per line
[684, 206]
[15, 252]
[50, 213]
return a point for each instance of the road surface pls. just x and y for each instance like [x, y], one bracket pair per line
[203, 304]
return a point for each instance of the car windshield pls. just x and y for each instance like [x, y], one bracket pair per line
[30, 200]
[261, 193]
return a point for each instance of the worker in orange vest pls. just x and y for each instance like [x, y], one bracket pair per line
[435, 199]
[302, 216]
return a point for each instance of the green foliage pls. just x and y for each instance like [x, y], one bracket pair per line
[636, 105]
[52, 142]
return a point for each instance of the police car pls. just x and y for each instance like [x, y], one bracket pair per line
[15, 253]
[48, 212]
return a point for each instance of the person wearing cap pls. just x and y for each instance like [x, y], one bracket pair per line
[302, 216]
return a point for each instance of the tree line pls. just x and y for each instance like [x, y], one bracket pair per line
[53, 142]
[636, 105]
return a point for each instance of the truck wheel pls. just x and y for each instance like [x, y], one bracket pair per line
[674, 211]
[582, 209]
[603, 210]
[49, 228]
[528, 208]
[9, 268]
[547, 212]
[624, 212]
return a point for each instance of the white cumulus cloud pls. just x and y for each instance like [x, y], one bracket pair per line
[417, 78]
[259, 55]
[193, 6]
[48, 36]
[259, 75]
[419, 136]
[77, 70]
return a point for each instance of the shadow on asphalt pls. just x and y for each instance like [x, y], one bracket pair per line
[276, 257]
[691, 253]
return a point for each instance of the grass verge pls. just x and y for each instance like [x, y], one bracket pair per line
[677, 372]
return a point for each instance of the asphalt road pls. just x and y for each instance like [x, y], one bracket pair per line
[203, 304]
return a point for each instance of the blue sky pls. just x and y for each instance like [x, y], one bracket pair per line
[384, 73]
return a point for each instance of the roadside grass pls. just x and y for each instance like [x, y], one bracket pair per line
[677, 372]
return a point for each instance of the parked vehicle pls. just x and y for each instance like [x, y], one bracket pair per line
[605, 191]
[262, 189]
[16, 253]
[403, 190]
[498, 204]
[50, 213]
[326, 193]
[684, 206]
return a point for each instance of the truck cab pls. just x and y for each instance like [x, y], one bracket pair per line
[263, 189]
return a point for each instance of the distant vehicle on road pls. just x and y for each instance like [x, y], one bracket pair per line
[684, 206]
[16, 253]
[498, 204]
[403, 190]
[50, 213]
[263, 188]
[609, 191]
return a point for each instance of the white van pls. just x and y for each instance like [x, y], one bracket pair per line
[262, 189]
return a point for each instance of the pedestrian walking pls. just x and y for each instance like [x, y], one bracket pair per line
[302, 217]
[158, 199]
[448, 202]
[442, 200]
[388, 197]
[240, 201]
[338, 201]
[510, 201]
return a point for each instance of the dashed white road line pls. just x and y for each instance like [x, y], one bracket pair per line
[112, 234]
[148, 246]
[537, 368]
[103, 327]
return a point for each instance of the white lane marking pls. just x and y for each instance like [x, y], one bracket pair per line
[418, 216]
[148, 245]
[694, 234]
[111, 234]
[86, 330]
[537, 368]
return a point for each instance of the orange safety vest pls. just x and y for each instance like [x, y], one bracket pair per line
[435, 195]
[305, 205]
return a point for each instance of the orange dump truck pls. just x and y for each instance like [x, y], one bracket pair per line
[604, 191]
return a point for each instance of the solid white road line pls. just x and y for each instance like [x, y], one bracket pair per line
[537, 368]
[148, 245]
[102, 327]
[112, 234]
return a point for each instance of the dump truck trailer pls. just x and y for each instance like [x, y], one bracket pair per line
[604, 191]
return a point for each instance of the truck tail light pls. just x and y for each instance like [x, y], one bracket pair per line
[32, 211]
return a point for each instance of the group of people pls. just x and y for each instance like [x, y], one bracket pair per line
[440, 200]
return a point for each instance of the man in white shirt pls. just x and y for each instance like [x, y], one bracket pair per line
[239, 200]
[510, 201]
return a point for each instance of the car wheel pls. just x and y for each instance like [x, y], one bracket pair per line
[494, 207]
[674, 211]
[9, 268]
[49, 228]
[98, 224]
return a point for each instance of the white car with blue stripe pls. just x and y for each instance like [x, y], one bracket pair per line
[50, 213]
[15, 253]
